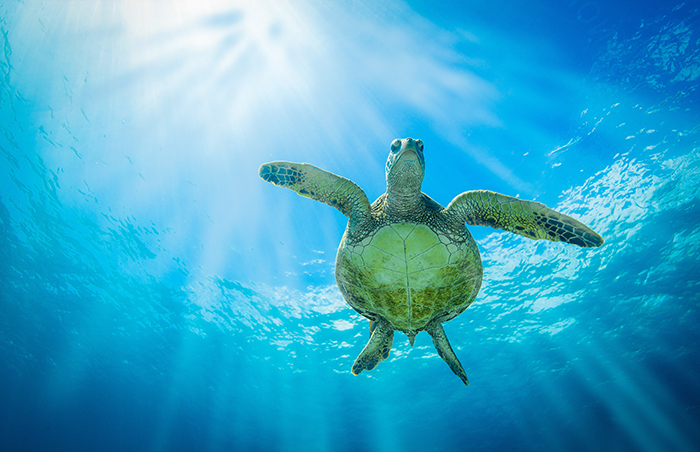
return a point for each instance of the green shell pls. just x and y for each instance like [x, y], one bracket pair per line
[409, 274]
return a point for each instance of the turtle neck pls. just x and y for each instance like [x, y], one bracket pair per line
[402, 203]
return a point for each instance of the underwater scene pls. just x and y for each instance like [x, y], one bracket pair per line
[158, 293]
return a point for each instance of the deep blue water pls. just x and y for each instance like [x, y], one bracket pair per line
[156, 295]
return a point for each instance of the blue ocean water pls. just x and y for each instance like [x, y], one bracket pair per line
[157, 295]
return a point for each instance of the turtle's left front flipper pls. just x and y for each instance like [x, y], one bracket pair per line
[527, 218]
[320, 185]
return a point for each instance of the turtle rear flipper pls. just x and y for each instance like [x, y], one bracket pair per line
[377, 349]
[445, 351]
[527, 218]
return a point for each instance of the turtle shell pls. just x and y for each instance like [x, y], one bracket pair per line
[409, 273]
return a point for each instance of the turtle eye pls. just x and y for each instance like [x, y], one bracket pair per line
[395, 145]
[419, 145]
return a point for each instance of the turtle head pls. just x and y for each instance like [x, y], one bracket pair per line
[405, 166]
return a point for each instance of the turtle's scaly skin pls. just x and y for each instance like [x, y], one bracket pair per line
[406, 263]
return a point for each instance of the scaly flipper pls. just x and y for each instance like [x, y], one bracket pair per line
[527, 218]
[445, 351]
[377, 349]
[320, 185]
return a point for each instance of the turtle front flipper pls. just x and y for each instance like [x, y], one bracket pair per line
[320, 185]
[445, 351]
[377, 349]
[527, 218]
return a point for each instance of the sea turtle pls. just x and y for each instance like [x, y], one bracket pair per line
[405, 262]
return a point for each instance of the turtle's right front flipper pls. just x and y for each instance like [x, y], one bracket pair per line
[320, 185]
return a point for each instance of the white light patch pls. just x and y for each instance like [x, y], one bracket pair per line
[558, 327]
[342, 325]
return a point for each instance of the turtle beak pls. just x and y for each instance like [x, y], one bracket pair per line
[409, 151]
[409, 155]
